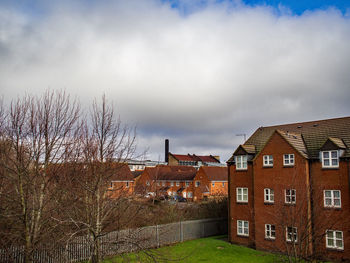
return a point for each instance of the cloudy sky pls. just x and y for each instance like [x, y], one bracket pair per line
[197, 72]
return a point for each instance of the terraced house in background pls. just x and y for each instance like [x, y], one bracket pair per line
[289, 189]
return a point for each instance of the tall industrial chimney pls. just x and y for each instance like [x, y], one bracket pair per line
[166, 150]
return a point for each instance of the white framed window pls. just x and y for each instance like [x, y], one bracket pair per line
[171, 183]
[223, 184]
[213, 184]
[332, 198]
[241, 162]
[290, 196]
[268, 160]
[270, 231]
[242, 228]
[330, 159]
[198, 183]
[288, 159]
[242, 194]
[334, 239]
[177, 183]
[127, 184]
[187, 184]
[148, 183]
[269, 195]
[291, 234]
[189, 194]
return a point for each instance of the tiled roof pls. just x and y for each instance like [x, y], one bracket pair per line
[174, 173]
[296, 140]
[313, 133]
[250, 149]
[122, 173]
[136, 173]
[216, 173]
[196, 158]
[338, 142]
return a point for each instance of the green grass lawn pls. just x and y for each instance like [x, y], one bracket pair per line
[212, 249]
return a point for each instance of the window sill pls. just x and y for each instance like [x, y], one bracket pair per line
[269, 239]
[289, 204]
[241, 203]
[335, 249]
[288, 165]
[268, 203]
[330, 168]
[332, 208]
[241, 170]
[241, 235]
[267, 166]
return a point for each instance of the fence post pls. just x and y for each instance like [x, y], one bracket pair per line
[157, 234]
[181, 232]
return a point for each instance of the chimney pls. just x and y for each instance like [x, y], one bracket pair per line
[166, 150]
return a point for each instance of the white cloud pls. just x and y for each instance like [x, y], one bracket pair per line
[198, 79]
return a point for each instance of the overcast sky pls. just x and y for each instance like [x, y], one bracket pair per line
[196, 72]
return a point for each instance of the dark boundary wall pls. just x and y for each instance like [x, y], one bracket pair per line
[78, 248]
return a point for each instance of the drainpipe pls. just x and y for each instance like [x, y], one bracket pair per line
[229, 203]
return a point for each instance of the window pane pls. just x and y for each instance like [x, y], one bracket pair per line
[326, 155]
[338, 234]
[328, 202]
[334, 154]
[337, 202]
[245, 223]
[339, 243]
[334, 162]
[326, 162]
[336, 193]
[330, 242]
[328, 193]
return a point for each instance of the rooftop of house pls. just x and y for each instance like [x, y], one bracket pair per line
[173, 173]
[216, 173]
[196, 158]
[306, 137]
[122, 173]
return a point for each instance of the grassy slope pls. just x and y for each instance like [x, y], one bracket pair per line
[212, 249]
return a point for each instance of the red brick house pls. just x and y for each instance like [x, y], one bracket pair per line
[165, 180]
[210, 181]
[122, 181]
[289, 187]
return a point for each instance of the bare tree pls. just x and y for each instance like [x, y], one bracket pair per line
[37, 135]
[104, 145]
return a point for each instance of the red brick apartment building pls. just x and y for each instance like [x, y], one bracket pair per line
[122, 182]
[289, 189]
[210, 182]
[164, 180]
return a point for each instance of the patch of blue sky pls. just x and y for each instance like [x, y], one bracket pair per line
[296, 7]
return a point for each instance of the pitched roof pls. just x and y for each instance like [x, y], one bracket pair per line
[296, 140]
[195, 158]
[313, 133]
[250, 149]
[338, 142]
[216, 173]
[122, 173]
[167, 172]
